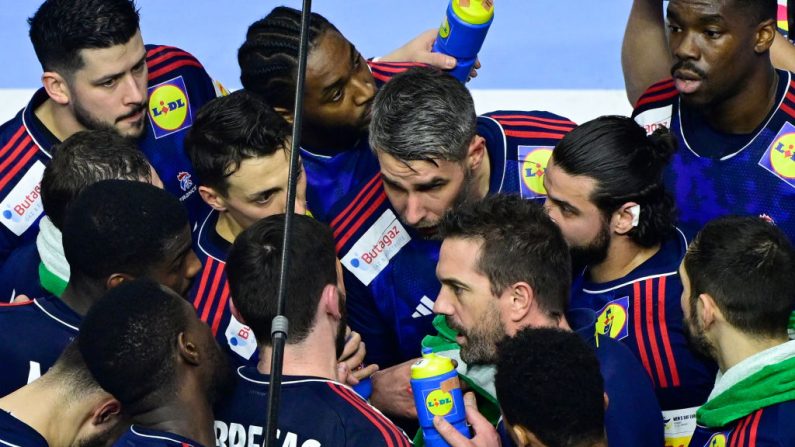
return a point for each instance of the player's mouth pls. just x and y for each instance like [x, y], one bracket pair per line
[687, 78]
[134, 116]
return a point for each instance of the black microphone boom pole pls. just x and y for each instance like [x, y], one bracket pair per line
[279, 325]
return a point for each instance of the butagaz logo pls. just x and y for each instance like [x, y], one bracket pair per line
[22, 206]
[424, 308]
[169, 107]
[240, 338]
[185, 183]
[654, 119]
[372, 252]
[779, 158]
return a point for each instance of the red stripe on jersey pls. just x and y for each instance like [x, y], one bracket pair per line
[644, 358]
[398, 434]
[388, 69]
[523, 134]
[740, 431]
[13, 141]
[380, 77]
[21, 303]
[354, 401]
[174, 66]
[534, 124]
[536, 118]
[662, 85]
[211, 295]
[396, 64]
[338, 230]
[31, 151]
[221, 308]
[167, 55]
[790, 111]
[754, 428]
[669, 355]
[360, 221]
[355, 199]
[650, 323]
[17, 150]
[206, 269]
[658, 97]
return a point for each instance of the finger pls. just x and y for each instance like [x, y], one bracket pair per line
[365, 372]
[475, 419]
[477, 63]
[449, 433]
[438, 60]
[20, 299]
[343, 376]
[351, 346]
[357, 358]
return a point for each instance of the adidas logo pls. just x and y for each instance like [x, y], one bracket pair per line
[424, 309]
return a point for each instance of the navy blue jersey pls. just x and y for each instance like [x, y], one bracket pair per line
[390, 270]
[34, 335]
[633, 417]
[210, 296]
[643, 311]
[137, 436]
[314, 412]
[19, 275]
[767, 427]
[714, 174]
[15, 433]
[178, 87]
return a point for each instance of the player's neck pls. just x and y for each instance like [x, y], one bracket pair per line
[189, 416]
[58, 119]
[623, 256]
[227, 227]
[315, 356]
[81, 295]
[40, 406]
[483, 175]
[735, 346]
[743, 112]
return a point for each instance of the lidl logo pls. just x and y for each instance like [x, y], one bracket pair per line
[532, 165]
[780, 156]
[169, 107]
[613, 319]
[717, 440]
[439, 402]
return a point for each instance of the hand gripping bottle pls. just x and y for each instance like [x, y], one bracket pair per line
[437, 392]
[462, 33]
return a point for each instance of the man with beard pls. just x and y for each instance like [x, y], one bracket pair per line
[732, 112]
[321, 410]
[605, 192]
[739, 288]
[115, 230]
[145, 345]
[64, 408]
[504, 266]
[434, 153]
[97, 73]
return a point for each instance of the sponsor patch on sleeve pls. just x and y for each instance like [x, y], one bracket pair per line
[169, 107]
[779, 158]
[532, 166]
[613, 319]
[22, 206]
[240, 338]
[372, 252]
[653, 119]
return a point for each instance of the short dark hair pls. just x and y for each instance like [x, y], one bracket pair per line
[129, 339]
[746, 264]
[85, 158]
[71, 371]
[548, 380]
[423, 114]
[253, 271]
[759, 10]
[268, 58]
[628, 167]
[120, 226]
[61, 28]
[230, 129]
[520, 243]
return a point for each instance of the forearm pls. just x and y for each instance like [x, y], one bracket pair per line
[645, 58]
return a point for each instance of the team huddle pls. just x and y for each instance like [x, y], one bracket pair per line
[626, 281]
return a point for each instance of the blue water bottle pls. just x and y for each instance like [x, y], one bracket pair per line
[462, 33]
[437, 392]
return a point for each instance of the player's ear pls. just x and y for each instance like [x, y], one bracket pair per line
[212, 198]
[476, 152]
[235, 312]
[115, 279]
[56, 87]
[626, 218]
[520, 298]
[107, 412]
[524, 437]
[188, 350]
[765, 34]
[286, 114]
[330, 301]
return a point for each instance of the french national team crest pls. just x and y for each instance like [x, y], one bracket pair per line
[613, 319]
[532, 166]
[169, 107]
[779, 158]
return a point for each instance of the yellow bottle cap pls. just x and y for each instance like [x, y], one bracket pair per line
[474, 12]
[431, 365]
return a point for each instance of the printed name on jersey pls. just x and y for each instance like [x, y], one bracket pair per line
[679, 426]
[372, 252]
[22, 206]
[653, 119]
[779, 158]
[169, 107]
[533, 165]
[613, 319]
[238, 435]
[240, 338]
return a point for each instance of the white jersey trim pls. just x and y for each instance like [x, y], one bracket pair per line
[199, 237]
[36, 302]
[164, 438]
[504, 150]
[27, 129]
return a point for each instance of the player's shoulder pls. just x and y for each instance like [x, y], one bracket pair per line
[530, 127]
[384, 71]
[165, 62]
[659, 94]
[12, 129]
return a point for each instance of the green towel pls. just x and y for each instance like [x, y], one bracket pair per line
[771, 385]
[50, 281]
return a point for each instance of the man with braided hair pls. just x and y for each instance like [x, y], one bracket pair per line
[339, 91]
